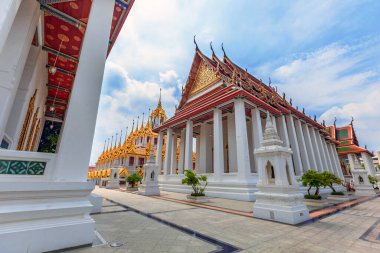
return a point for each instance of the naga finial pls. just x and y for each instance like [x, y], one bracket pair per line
[213, 53]
[291, 101]
[224, 52]
[352, 121]
[195, 42]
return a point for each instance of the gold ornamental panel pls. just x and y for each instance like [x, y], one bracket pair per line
[205, 78]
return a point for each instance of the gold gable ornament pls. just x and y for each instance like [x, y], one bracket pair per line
[205, 77]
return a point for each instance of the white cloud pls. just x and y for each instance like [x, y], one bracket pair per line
[168, 76]
[118, 109]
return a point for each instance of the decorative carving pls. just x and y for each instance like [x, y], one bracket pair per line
[25, 126]
[205, 77]
[36, 133]
[31, 131]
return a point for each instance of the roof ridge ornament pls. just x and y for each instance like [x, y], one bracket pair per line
[195, 43]
[352, 121]
[224, 52]
[213, 53]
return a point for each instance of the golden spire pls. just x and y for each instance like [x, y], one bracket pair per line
[133, 127]
[104, 147]
[115, 140]
[137, 124]
[149, 119]
[108, 144]
[111, 142]
[121, 134]
[159, 100]
[142, 122]
[126, 134]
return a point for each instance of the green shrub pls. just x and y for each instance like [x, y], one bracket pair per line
[337, 193]
[329, 179]
[195, 181]
[317, 197]
[312, 179]
[133, 179]
[372, 180]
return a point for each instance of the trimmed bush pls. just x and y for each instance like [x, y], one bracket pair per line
[337, 193]
[317, 197]
[197, 194]
[195, 181]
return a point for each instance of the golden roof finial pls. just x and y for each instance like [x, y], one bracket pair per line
[137, 123]
[133, 127]
[126, 134]
[104, 147]
[111, 142]
[159, 100]
[121, 133]
[142, 122]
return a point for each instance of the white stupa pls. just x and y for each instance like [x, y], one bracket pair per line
[360, 176]
[278, 198]
[149, 186]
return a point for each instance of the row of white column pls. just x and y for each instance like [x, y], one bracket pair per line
[310, 149]
[367, 161]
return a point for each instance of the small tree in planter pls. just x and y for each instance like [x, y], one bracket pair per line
[372, 180]
[195, 181]
[133, 180]
[329, 179]
[312, 179]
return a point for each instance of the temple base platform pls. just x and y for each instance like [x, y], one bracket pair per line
[45, 216]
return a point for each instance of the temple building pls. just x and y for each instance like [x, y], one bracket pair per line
[221, 116]
[52, 60]
[136, 147]
[348, 149]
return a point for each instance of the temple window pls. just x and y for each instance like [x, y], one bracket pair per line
[155, 141]
[131, 161]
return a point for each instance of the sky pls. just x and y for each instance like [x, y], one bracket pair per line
[325, 55]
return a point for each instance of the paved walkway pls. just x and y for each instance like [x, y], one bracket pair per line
[356, 229]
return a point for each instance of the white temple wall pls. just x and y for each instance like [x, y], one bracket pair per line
[34, 77]
[231, 142]
[206, 145]
[225, 144]
[13, 57]
[250, 146]
[8, 13]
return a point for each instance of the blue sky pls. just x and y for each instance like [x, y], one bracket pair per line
[323, 54]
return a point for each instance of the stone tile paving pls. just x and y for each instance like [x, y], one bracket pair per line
[140, 234]
[345, 231]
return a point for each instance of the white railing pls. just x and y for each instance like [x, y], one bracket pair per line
[21, 166]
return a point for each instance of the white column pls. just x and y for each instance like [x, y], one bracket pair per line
[160, 139]
[174, 155]
[282, 130]
[328, 156]
[309, 147]
[197, 152]
[293, 140]
[323, 152]
[368, 164]
[205, 158]
[8, 13]
[351, 160]
[218, 144]
[79, 125]
[302, 146]
[334, 168]
[189, 146]
[337, 161]
[182, 151]
[168, 151]
[231, 136]
[318, 156]
[242, 155]
[13, 56]
[257, 132]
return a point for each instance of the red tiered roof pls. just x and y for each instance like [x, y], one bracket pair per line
[66, 22]
[236, 82]
[346, 138]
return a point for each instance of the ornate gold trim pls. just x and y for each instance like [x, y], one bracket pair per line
[31, 131]
[25, 126]
[36, 132]
[205, 78]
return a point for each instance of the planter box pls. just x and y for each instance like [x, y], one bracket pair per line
[315, 202]
[200, 199]
[132, 189]
[338, 198]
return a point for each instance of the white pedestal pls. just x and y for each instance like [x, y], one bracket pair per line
[279, 204]
[44, 216]
[362, 185]
[149, 189]
[97, 202]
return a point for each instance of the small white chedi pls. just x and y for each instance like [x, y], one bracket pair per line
[149, 186]
[360, 176]
[278, 198]
[114, 181]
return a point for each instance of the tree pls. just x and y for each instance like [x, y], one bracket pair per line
[195, 181]
[312, 179]
[372, 180]
[133, 179]
[329, 179]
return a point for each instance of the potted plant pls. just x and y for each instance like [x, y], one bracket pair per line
[313, 179]
[198, 183]
[133, 181]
